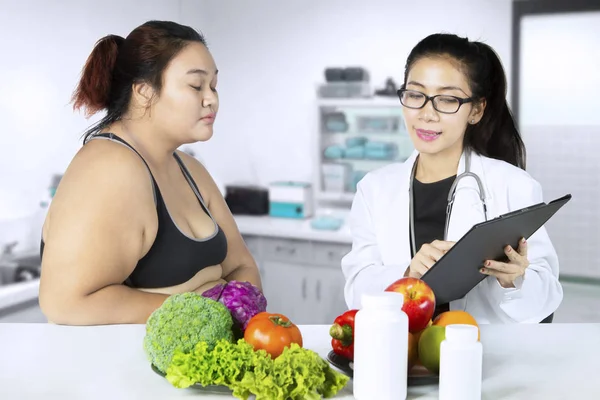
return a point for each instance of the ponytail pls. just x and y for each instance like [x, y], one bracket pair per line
[93, 91]
[496, 134]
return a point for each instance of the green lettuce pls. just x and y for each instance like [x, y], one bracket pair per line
[298, 373]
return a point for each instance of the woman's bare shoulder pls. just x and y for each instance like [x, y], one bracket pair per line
[105, 177]
[101, 163]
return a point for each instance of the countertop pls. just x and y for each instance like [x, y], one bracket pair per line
[289, 228]
[13, 294]
[44, 361]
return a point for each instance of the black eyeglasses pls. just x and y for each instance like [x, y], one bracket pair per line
[441, 102]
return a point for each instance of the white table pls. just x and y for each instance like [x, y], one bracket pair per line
[44, 361]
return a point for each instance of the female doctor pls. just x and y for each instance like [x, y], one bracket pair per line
[456, 114]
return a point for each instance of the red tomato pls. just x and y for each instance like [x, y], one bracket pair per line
[272, 333]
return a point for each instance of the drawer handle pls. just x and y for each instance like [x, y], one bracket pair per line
[290, 250]
[319, 290]
[304, 288]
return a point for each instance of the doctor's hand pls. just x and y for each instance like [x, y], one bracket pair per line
[428, 255]
[508, 272]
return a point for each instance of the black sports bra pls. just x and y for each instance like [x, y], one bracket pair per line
[174, 257]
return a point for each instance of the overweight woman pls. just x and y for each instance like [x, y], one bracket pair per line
[134, 220]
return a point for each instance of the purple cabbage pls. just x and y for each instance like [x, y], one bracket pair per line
[243, 300]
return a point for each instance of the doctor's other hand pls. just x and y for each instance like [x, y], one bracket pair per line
[428, 255]
[508, 272]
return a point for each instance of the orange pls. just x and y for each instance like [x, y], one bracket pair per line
[455, 317]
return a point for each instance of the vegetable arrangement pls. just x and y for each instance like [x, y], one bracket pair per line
[225, 337]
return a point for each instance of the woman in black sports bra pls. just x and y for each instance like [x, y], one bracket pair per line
[134, 219]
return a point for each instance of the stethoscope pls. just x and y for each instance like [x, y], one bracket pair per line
[451, 195]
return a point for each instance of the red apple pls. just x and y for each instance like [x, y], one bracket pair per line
[419, 301]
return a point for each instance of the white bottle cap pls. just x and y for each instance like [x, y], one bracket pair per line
[383, 299]
[462, 333]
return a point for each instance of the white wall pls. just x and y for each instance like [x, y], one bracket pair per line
[559, 74]
[271, 54]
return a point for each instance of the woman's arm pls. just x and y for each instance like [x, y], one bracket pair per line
[95, 234]
[239, 264]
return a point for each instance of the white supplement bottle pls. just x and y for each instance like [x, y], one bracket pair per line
[381, 348]
[461, 359]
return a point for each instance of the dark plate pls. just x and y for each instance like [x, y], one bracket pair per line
[417, 376]
[213, 389]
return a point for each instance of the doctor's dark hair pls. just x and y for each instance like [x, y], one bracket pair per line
[116, 63]
[496, 135]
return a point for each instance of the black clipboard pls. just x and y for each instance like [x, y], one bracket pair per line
[457, 272]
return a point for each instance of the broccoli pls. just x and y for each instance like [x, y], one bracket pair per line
[181, 322]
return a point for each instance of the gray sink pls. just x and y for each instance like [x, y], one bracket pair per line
[18, 267]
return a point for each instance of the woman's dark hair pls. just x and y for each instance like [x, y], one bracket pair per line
[116, 63]
[496, 135]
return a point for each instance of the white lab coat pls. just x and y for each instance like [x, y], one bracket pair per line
[379, 222]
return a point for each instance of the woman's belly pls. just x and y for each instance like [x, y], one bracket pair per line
[205, 279]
